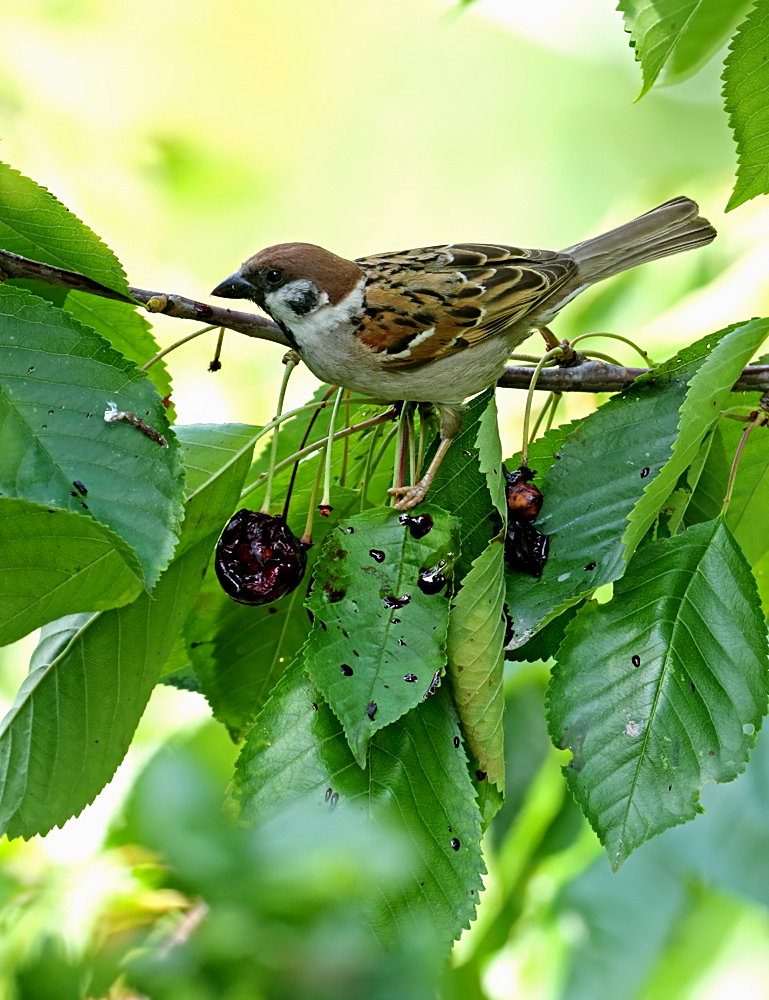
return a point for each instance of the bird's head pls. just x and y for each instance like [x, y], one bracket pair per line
[292, 280]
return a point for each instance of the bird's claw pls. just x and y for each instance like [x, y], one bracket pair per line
[412, 495]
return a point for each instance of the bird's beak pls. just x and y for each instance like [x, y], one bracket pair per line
[235, 287]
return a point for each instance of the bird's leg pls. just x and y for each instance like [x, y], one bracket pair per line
[451, 425]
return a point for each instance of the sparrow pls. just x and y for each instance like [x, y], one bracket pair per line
[437, 324]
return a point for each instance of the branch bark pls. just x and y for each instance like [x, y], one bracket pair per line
[592, 376]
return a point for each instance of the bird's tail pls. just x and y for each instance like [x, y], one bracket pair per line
[666, 229]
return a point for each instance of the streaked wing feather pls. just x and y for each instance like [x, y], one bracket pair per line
[444, 299]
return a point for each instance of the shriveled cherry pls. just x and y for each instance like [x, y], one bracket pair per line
[524, 500]
[258, 558]
[526, 548]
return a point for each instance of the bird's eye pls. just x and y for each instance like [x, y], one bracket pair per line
[273, 276]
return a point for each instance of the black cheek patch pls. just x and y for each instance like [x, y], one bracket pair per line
[302, 299]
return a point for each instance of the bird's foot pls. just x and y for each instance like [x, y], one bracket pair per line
[412, 495]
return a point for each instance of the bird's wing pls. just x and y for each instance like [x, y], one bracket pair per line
[426, 304]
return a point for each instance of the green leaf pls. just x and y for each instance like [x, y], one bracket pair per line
[91, 677]
[239, 653]
[746, 82]
[588, 493]
[490, 455]
[467, 484]
[381, 616]
[53, 563]
[708, 495]
[57, 379]
[35, 224]
[214, 456]
[707, 393]
[663, 688]
[416, 777]
[746, 513]
[125, 328]
[674, 30]
[76, 712]
[545, 643]
[470, 485]
[710, 27]
[477, 659]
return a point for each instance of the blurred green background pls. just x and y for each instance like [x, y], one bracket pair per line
[189, 135]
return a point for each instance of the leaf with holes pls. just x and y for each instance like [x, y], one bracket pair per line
[35, 224]
[91, 676]
[601, 470]
[57, 379]
[416, 777]
[746, 84]
[663, 688]
[53, 563]
[378, 641]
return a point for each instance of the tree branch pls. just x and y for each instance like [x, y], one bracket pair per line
[598, 376]
[14, 266]
[591, 376]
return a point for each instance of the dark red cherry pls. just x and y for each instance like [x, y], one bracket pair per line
[258, 558]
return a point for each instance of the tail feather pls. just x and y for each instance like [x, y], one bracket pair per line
[670, 228]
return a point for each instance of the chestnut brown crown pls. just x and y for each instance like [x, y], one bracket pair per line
[328, 272]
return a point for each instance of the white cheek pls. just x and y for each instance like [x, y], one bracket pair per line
[280, 303]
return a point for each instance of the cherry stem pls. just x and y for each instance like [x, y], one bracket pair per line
[412, 443]
[306, 538]
[542, 414]
[346, 445]
[399, 462]
[306, 434]
[384, 446]
[177, 343]
[601, 357]
[616, 336]
[758, 420]
[421, 447]
[557, 397]
[316, 445]
[555, 352]
[291, 361]
[215, 364]
[367, 466]
[534, 358]
[326, 498]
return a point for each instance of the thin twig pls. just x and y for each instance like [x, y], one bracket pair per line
[12, 265]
